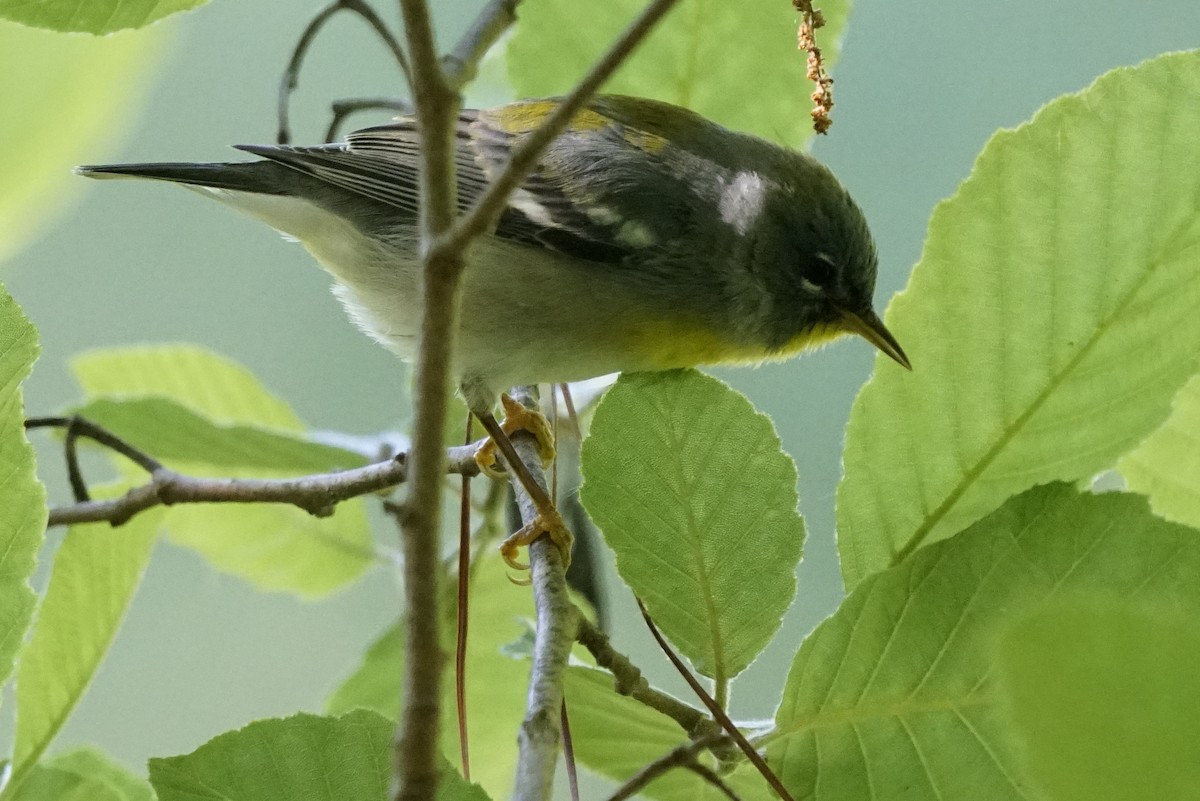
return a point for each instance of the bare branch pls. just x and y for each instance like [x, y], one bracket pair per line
[717, 712]
[557, 621]
[630, 681]
[709, 775]
[416, 754]
[461, 64]
[82, 427]
[291, 76]
[682, 757]
[316, 494]
[341, 109]
[492, 202]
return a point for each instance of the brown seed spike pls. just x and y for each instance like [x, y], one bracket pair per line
[810, 20]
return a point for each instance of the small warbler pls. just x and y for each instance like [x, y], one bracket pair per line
[647, 238]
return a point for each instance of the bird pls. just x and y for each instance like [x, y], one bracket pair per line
[646, 238]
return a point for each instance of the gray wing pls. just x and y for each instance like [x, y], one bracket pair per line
[603, 195]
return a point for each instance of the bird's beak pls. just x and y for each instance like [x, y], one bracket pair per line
[868, 326]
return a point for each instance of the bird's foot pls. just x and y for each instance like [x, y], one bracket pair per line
[517, 418]
[548, 522]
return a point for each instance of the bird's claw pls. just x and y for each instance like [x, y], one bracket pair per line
[549, 523]
[516, 418]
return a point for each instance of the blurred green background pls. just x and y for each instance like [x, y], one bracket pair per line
[920, 88]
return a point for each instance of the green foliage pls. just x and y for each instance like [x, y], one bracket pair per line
[93, 16]
[96, 571]
[1004, 637]
[304, 756]
[1035, 319]
[694, 495]
[22, 498]
[64, 99]
[82, 775]
[759, 86]
[160, 398]
[1103, 691]
[898, 693]
[348, 758]
[617, 736]
[175, 433]
[496, 684]
[1166, 466]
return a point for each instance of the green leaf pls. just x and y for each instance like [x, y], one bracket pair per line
[617, 737]
[693, 493]
[97, 569]
[66, 99]
[897, 695]
[1166, 466]
[212, 413]
[175, 433]
[613, 734]
[687, 60]
[496, 684]
[198, 379]
[82, 775]
[284, 759]
[1036, 318]
[1104, 693]
[348, 758]
[22, 497]
[93, 16]
[278, 548]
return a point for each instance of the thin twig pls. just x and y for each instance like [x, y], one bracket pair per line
[99, 434]
[341, 109]
[557, 621]
[316, 494]
[569, 753]
[461, 63]
[462, 618]
[629, 681]
[679, 757]
[709, 775]
[291, 76]
[717, 712]
[79, 490]
[525, 157]
[416, 755]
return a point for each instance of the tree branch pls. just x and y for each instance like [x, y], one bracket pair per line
[316, 494]
[461, 64]
[683, 756]
[557, 621]
[339, 110]
[291, 75]
[416, 755]
[437, 105]
[717, 712]
[630, 682]
[524, 158]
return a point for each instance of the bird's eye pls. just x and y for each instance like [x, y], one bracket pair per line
[819, 271]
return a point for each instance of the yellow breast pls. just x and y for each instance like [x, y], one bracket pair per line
[666, 345]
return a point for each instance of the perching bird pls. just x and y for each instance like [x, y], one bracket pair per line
[646, 238]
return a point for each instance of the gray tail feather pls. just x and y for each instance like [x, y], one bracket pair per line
[261, 177]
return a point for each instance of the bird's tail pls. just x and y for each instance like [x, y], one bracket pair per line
[257, 177]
